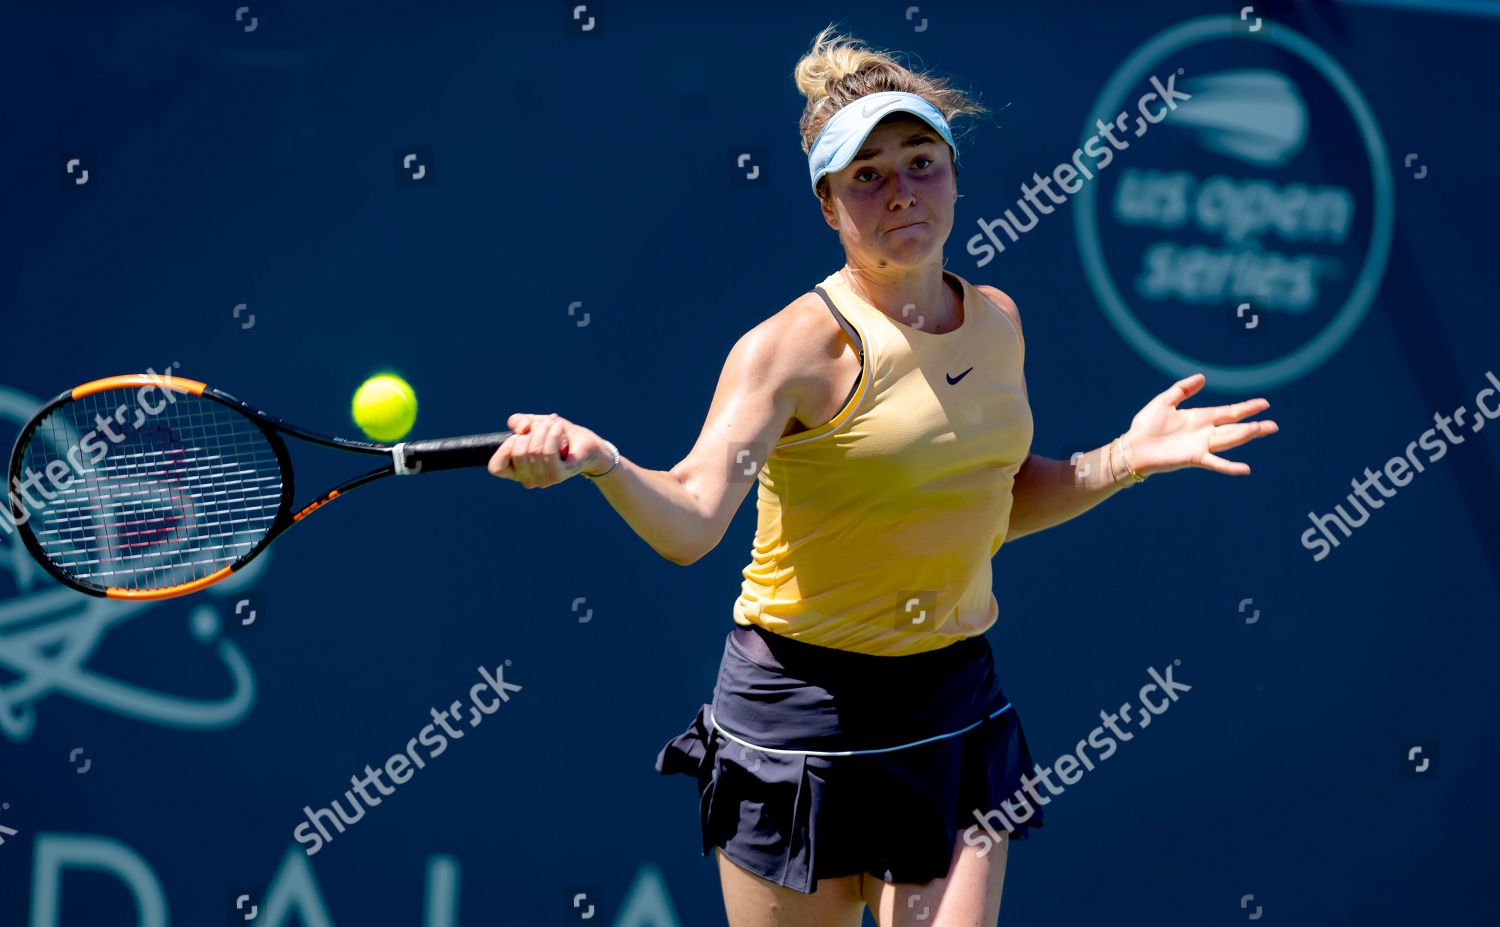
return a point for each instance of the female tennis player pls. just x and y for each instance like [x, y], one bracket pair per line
[857, 727]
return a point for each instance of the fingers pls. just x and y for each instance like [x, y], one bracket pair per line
[1225, 437]
[499, 464]
[532, 455]
[549, 456]
[1229, 467]
[520, 464]
[1220, 415]
[1182, 389]
[531, 468]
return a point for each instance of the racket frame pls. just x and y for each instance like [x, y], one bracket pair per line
[269, 425]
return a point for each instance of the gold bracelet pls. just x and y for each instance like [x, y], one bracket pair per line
[1136, 477]
[1112, 475]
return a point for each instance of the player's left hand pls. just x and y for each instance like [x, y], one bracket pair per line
[1165, 438]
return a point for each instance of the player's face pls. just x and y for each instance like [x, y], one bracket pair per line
[893, 204]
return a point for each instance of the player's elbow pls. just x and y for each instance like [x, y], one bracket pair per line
[689, 555]
[706, 515]
[680, 555]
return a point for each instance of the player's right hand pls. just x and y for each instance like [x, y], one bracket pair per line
[545, 450]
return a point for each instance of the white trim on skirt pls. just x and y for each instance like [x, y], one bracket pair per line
[745, 743]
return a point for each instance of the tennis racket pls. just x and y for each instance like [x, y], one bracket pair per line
[149, 486]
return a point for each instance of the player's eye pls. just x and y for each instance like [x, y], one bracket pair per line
[924, 166]
[868, 170]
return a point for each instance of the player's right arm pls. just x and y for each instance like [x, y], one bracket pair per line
[757, 397]
[684, 512]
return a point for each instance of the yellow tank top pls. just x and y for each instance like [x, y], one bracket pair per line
[875, 530]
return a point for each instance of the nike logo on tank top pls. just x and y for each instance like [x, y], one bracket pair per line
[875, 530]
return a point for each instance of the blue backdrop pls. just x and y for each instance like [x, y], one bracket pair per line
[579, 209]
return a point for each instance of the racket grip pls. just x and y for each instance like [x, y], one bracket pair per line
[447, 453]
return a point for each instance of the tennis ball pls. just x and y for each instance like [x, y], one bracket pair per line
[385, 407]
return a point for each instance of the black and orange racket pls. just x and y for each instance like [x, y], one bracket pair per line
[149, 486]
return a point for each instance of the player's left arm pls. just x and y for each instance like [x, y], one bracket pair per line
[1161, 438]
[1041, 495]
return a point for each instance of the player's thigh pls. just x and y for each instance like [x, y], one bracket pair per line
[968, 896]
[751, 901]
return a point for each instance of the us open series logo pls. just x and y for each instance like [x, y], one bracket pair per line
[1246, 235]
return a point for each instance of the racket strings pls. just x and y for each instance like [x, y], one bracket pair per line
[185, 492]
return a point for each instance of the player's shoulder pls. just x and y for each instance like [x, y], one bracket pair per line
[999, 297]
[803, 328]
[1002, 301]
[807, 309]
[788, 348]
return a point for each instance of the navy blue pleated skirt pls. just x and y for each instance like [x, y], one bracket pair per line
[815, 763]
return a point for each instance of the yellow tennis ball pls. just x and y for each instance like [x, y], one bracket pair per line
[385, 407]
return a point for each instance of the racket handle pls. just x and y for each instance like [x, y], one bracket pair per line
[447, 453]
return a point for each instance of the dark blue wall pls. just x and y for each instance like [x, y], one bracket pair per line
[258, 167]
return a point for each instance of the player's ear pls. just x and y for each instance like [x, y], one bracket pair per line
[825, 204]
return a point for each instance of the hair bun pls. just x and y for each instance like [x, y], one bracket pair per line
[831, 59]
[840, 69]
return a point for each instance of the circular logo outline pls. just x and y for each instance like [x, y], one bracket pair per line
[1309, 356]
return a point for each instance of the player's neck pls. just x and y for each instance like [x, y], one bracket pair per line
[903, 293]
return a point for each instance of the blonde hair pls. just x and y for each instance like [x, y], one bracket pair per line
[840, 69]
